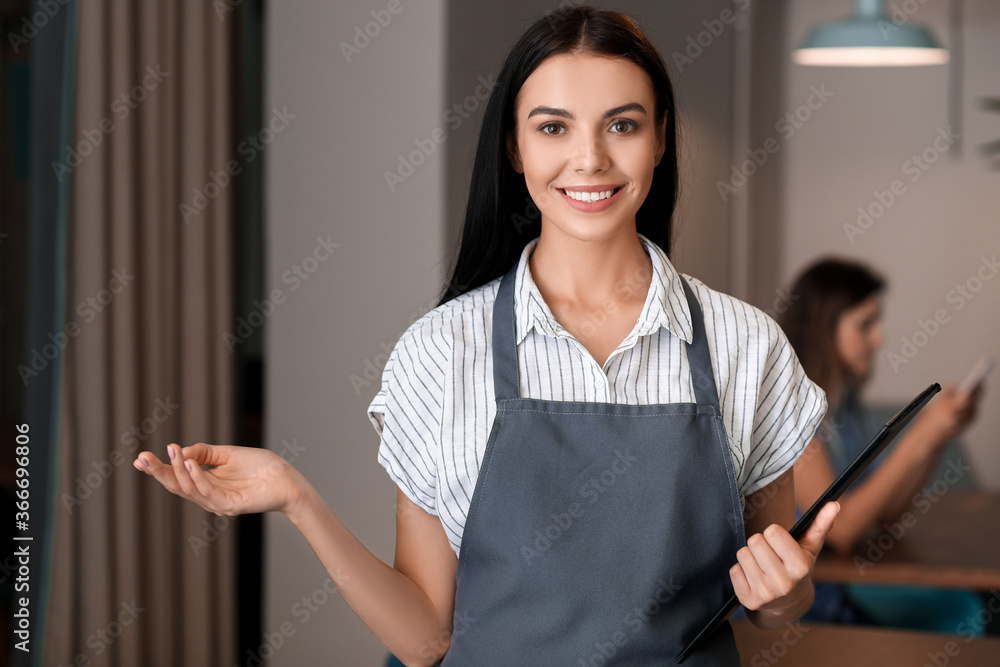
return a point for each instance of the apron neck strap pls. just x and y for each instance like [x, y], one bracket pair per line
[505, 377]
[699, 359]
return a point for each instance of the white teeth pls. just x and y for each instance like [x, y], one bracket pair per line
[588, 196]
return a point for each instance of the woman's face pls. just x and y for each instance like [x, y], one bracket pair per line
[585, 128]
[859, 336]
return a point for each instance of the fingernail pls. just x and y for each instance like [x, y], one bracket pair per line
[187, 464]
[138, 466]
[144, 462]
[170, 452]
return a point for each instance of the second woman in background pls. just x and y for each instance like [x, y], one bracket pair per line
[834, 324]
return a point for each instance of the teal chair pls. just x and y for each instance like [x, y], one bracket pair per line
[928, 609]
[393, 661]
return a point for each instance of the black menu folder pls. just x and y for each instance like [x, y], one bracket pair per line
[885, 435]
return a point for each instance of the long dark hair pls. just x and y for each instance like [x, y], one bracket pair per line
[818, 298]
[500, 218]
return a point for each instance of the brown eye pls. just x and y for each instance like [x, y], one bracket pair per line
[625, 126]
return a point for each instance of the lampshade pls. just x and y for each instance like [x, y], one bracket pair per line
[870, 39]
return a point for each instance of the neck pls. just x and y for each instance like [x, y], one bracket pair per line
[840, 390]
[568, 269]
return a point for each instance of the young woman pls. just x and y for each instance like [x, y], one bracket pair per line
[575, 429]
[834, 324]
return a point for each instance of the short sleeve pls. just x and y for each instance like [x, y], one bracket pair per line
[789, 409]
[406, 413]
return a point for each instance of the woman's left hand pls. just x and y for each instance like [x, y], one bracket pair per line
[773, 575]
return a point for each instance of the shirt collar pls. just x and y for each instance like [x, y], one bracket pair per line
[666, 305]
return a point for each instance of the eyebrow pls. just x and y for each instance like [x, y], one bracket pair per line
[551, 111]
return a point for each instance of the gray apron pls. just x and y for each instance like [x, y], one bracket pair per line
[599, 533]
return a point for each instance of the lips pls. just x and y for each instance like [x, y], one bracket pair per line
[591, 198]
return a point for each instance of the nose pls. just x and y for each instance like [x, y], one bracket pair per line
[590, 153]
[877, 336]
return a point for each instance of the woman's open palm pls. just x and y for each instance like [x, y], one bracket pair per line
[244, 480]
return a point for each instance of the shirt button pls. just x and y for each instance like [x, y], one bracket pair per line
[599, 383]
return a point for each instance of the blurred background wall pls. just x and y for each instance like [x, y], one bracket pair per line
[325, 181]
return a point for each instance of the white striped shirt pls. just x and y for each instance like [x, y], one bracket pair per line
[436, 406]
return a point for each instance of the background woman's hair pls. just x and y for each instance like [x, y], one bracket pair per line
[818, 298]
[498, 220]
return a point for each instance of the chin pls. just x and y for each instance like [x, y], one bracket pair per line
[590, 233]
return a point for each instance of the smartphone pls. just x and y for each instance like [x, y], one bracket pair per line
[977, 374]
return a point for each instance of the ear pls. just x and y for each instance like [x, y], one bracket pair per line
[513, 154]
[661, 141]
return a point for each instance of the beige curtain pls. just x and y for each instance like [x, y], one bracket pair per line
[141, 577]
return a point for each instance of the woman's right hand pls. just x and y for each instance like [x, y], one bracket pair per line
[947, 415]
[244, 480]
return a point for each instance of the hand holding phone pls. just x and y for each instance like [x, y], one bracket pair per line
[977, 375]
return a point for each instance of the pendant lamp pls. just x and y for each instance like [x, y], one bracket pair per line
[870, 39]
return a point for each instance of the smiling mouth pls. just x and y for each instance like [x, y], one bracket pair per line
[590, 196]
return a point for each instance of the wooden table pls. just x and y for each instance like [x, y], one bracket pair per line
[950, 539]
[845, 645]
